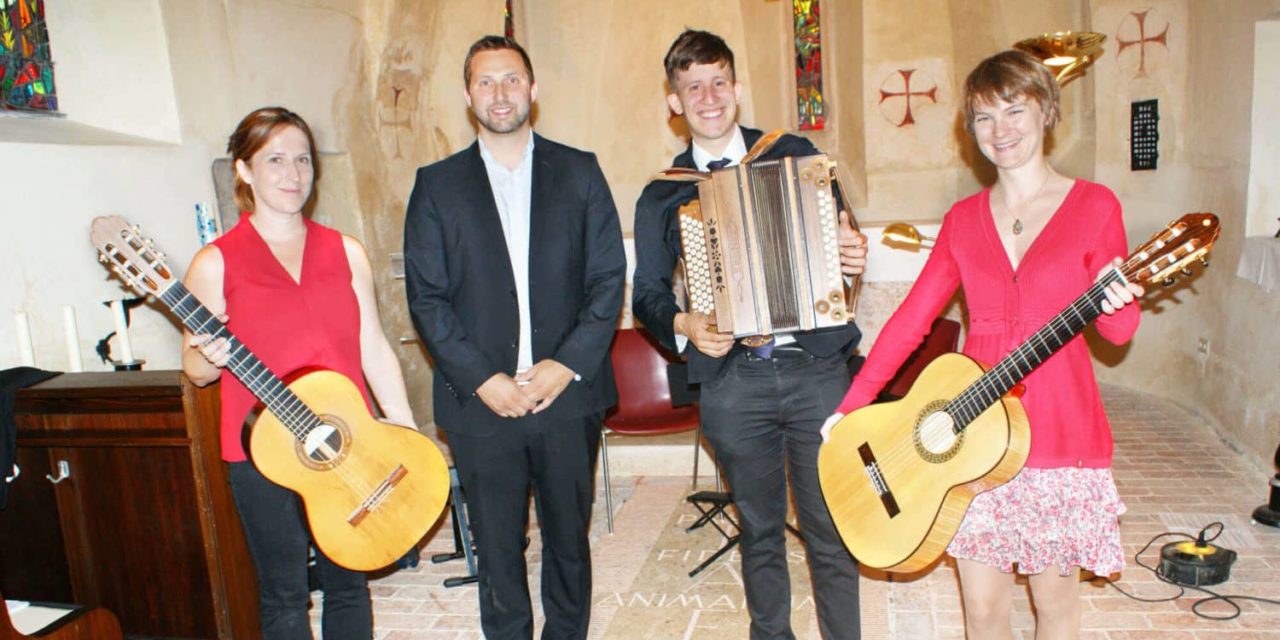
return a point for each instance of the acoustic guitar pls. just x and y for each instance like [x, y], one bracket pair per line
[898, 476]
[371, 490]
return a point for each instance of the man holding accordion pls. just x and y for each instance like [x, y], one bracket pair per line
[763, 398]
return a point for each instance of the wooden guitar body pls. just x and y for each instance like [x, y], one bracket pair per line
[371, 490]
[84, 623]
[929, 473]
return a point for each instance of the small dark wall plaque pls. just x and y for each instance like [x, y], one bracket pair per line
[1144, 135]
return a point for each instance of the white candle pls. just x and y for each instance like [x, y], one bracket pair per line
[25, 352]
[122, 331]
[74, 363]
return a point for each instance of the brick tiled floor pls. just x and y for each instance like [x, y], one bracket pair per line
[1174, 472]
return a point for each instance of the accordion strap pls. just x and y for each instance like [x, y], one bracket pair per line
[762, 146]
[684, 174]
[680, 174]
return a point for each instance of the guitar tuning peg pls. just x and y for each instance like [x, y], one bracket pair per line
[1204, 262]
[102, 258]
[1186, 271]
[1168, 282]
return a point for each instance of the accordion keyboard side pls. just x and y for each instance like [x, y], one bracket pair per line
[820, 222]
[699, 280]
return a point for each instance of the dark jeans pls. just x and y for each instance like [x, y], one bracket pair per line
[278, 541]
[763, 419]
[556, 458]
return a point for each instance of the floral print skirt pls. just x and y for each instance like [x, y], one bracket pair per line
[1060, 517]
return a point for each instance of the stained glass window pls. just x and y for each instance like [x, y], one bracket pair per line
[808, 64]
[26, 70]
[508, 29]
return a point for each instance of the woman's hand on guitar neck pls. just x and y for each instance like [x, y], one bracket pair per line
[1118, 294]
[830, 422]
[216, 351]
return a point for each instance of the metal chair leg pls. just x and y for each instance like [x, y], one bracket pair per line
[608, 486]
[715, 467]
[697, 448]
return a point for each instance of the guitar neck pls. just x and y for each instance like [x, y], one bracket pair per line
[244, 365]
[1000, 379]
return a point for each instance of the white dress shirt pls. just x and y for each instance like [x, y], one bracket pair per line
[513, 195]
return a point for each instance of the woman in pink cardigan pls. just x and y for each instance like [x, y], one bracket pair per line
[1023, 250]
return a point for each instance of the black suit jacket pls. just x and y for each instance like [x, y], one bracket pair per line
[657, 238]
[462, 294]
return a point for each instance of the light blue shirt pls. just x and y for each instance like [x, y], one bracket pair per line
[513, 195]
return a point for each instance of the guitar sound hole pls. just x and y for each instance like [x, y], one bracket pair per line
[326, 445]
[933, 434]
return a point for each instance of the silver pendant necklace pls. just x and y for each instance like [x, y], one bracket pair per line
[1017, 222]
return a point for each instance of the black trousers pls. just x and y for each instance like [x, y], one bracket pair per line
[763, 418]
[556, 459]
[278, 541]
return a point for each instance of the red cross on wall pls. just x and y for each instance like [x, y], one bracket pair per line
[906, 95]
[1141, 43]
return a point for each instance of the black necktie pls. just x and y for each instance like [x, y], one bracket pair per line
[718, 164]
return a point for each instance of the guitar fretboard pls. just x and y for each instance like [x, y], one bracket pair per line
[998, 380]
[244, 365]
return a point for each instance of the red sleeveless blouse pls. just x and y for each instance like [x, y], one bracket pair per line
[313, 323]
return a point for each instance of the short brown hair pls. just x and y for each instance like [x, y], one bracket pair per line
[1010, 75]
[696, 47]
[494, 43]
[252, 134]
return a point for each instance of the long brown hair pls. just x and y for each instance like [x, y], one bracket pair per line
[252, 134]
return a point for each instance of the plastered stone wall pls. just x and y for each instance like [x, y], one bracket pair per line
[1208, 343]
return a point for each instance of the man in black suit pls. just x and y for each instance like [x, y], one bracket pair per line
[762, 408]
[514, 269]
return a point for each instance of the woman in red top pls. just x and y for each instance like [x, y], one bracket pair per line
[1024, 250]
[300, 295]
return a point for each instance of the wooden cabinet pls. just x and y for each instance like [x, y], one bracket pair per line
[143, 523]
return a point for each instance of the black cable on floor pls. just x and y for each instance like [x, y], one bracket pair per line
[1182, 589]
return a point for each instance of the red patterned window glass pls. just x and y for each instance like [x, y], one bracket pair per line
[508, 28]
[26, 69]
[809, 96]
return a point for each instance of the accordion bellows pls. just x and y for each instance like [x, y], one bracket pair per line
[760, 248]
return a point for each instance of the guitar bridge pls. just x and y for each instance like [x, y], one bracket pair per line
[377, 496]
[872, 469]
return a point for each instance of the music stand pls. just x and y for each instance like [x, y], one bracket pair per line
[463, 547]
[712, 504]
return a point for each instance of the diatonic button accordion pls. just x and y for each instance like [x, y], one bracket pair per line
[760, 248]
